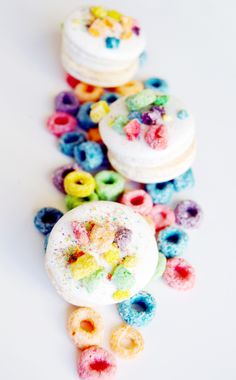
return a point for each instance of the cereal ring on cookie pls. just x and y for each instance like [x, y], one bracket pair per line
[188, 214]
[67, 102]
[126, 341]
[102, 237]
[59, 175]
[179, 274]
[109, 185]
[68, 142]
[96, 363]
[46, 218]
[79, 184]
[161, 192]
[172, 241]
[162, 216]
[130, 88]
[83, 117]
[88, 93]
[139, 310]
[139, 200]
[156, 84]
[85, 327]
[60, 122]
[89, 155]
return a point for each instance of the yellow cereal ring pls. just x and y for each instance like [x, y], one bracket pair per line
[98, 11]
[121, 295]
[112, 256]
[88, 93]
[130, 88]
[99, 110]
[85, 327]
[79, 184]
[126, 341]
[84, 266]
[101, 237]
[114, 14]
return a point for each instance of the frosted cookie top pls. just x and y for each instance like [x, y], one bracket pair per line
[100, 253]
[104, 33]
[147, 128]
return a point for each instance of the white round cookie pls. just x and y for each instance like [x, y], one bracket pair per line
[139, 162]
[143, 246]
[87, 57]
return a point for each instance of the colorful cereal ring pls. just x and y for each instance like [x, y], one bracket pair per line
[162, 216]
[96, 363]
[68, 142]
[161, 192]
[72, 82]
[179, 274]
[87, 93]
[130, 88]
[139, 200]
[184, 181]
[67, 102]
[109, 185]
[89, 155]
[123, 334]
[79, 184]
[172, 241]
[94, 135]
[60, 122]
[110, 97]
[46, 218]
[72, 202]
[156, 84]
[188, 214]
[83, 117]
[60, 174]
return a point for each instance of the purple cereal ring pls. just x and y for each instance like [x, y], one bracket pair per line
[60, 122]
[96, 363]
[59, 175]
[139, 200]
[188, 214]
[67, 102]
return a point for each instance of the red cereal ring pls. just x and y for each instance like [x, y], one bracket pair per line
[139, 200]
[60, 122]
[96, 363]
[72, 82]
[162, 216]
[179, 274]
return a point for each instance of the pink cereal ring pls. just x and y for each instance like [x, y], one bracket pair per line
[96, 363]
[80, 233]
[163, 216]
[60, 122]
[139, 200]
[179, 274]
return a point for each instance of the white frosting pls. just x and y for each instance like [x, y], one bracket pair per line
[143, 244]
[135, 153]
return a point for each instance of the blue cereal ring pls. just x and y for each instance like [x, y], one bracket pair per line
[172, 241]
[184, 181]
[46, 218]
[89, 155]
[83, 117]
[68, 142]
[110, 97]
[156, 84]
[161, 192]
[139, 310]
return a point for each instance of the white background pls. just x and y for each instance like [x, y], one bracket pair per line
[192, 44]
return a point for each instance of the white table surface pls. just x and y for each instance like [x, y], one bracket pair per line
[192, 44]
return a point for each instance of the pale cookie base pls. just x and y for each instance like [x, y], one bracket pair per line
[162, 173]
[95, 78]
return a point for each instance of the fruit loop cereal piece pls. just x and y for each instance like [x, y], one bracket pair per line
[161, 192]
[72, 202]
[59, 175]
[101, 237]
[130, 88]
[161, 100]
[140, 100]
[85, 327]
[91, 282]
[132, 129]
[184, 181]
[123, 278]
[151, 117]
[110, 97]
[80, 233]
[120, 295]
[123, 237]
[135, 115]
[84, 266]
[112, 256]
[188, 214]
[72, 82]
[163, 216]
[68, 142]
[83, 117]
[156, 84]
[172, 241]
[60, 122]
[46, 218]
[89, 155]
[156, 137]
[97, 28]
[179, 274]
[96, 363]
[118, 123]
[109, 185]
[99, 110]
[126, 341]
[98, 12]
[139, 310]
[67, 102]
[79, 184]
[139, 200]
[88, 93]
[112, 42]
[161, 266]
[94, 135]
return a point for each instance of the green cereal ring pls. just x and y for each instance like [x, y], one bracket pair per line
[161, 100]
[109, 185]
[72, 202]
[140, 100]
[161, 266]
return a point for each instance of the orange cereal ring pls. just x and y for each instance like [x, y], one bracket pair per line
[126, 341]
[130, 88]
[94, 135]
[88, 93]
[85, 326]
